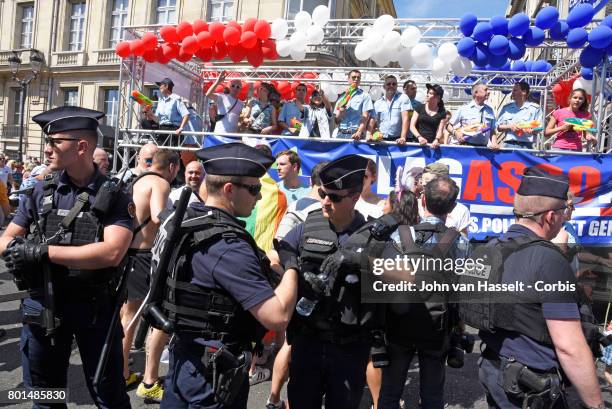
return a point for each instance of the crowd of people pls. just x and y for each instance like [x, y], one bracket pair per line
[396, 117]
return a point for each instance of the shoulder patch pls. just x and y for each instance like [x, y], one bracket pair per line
[312, 240]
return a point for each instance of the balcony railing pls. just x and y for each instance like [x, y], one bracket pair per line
[107, 56]
[69, 58]
[9, 132]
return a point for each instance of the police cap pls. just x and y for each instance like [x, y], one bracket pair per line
[68, 118]
[235, 159]
[166, 81]
[538, 182]
[345, 172]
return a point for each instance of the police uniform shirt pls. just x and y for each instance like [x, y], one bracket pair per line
[511, 114]
[528, 265]
[389, 113]
[231, 265]
[65, 197]
[170, 110]
[475, 114]
[358, 105]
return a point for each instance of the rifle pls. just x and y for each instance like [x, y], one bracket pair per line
[166, 238]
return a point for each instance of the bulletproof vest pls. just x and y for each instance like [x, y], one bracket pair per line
[487, 311]
[211, 312]
[85, 228]
[431, 319]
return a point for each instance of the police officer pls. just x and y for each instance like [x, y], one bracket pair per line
[85, 243]
[539, 336]
[329, 350]
[220, 294]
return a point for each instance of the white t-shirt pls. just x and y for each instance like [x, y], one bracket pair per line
[368, 210]
[229, 123]
[176, 193]
[459, 217]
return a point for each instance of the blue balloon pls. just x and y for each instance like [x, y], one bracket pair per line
[498, 45]
[581, 15]
[518, 66]
[533, 37]
[536, 95]
[528, 66]
[482, 32]
[559, 31]
[497, 61]
[577, 37]
[607, 21]
[467, 23]
[468, 91]
[548, 67]
[479, 68]
[547, 17]
[539, 66]
[516, 48]
[466, 47]
[505, 67]
[519, 24]
[481, 55]
[609, 51]
[499, 25]
[590, 56]
[600, 37]
[587, 73]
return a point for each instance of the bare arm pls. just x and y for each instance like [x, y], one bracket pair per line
[551, 129]
[576, 359]
[210, 92]
[405, 125]
[439, 134]
[275, 312]
[159, 199]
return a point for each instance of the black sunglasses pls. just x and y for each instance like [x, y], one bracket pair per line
[253, 189]
[336, 198]
[54, 141]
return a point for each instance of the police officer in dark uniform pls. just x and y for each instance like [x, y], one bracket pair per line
[538, 341]
[329, 349]
[82, 230]
[219, 293]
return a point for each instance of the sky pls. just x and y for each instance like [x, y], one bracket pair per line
[449, 8]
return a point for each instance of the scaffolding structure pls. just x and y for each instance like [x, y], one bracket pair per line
[341, 36]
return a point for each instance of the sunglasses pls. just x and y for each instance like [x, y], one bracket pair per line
[236, 86]
[252, 189]
[355, 78]
[54, 141]
[334, 197]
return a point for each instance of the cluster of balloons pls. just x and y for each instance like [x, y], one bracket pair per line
[214, 41]
[308, 31]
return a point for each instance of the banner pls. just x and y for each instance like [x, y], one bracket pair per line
[597, 4]
[488, 179]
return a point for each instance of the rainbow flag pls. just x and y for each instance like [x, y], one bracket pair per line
[267, 214]
[346, 98]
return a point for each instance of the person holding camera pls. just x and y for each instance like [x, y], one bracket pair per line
[229, 106]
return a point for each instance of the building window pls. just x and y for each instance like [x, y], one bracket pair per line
[166, 11]
[77, 26]
[220, 10]
[119, 15]
[111, 106]
[27, 25]
[71, 97]
[17, 106]
[295, 6]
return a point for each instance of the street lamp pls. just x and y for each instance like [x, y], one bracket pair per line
[36, 63]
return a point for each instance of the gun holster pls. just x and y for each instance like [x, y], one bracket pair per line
[538, 391]
[229, 372]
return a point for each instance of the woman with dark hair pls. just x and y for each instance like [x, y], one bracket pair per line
[317, 116]
[566, 138]
[428, 120]
[405, 209]
[261, 114]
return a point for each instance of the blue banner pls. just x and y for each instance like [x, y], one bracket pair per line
[487, 179]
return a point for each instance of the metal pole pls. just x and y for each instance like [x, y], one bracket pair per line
[24, 87]
[600, 111]
[117, 122]
[544, 101]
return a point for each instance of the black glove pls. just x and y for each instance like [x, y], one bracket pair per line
[342, 259]
[24, 259]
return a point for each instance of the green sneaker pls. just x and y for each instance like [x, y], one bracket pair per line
[153, 394]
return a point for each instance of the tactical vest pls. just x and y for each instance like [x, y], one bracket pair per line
[85, 228]
[480, 309]
[212, 313]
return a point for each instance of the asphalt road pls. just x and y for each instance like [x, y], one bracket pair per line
[462, 389]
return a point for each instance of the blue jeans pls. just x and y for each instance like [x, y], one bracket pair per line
[432, 371]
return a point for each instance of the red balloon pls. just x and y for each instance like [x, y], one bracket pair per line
[184, 29]
[199, 26]
[269, 49]
[243, 92]
[263, 29]
[231, 35]
[170, 51]
[294, 85]
[168, 33]
[283, 87]
[220, 51]
[248, 39]
[190, 45]
[237, 53]
[255, 57]
[204, 54]
[216, 30]
[184, 56]
[235, 25]
[205, 40]
[310, 75]
[123, 49]
[249, 24]
[220, 88]
[137, 47]
[149, 40]
[150, 55]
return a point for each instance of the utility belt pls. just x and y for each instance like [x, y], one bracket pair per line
[226, 371]
[538, 389]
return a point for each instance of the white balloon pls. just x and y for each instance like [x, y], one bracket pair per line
[410, 36]
[320, 15]
[588, 85]
[405, 59]
[283, 48]
[448, 52]
[298, 55]
[461, 66]
[339, 76]
[315, 35]
[439, 68]
[363, 51]
[420, 95]
[280, 28]
[332, 96]
[421, 54]
[391, 40]
[376, 93]
[381, 58]
[302, 21]
[384, 24]
[298, 40]
[367, 32]
[395, 52]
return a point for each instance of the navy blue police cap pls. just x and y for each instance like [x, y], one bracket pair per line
[538, 182]
[345, 172]
[68, 118]
[235, 159]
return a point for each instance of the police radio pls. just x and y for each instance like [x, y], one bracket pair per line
[106, 194]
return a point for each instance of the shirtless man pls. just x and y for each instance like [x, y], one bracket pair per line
[144, 159]
[150, 191]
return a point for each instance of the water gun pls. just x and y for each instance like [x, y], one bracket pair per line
[474, 129]
[376, 136]
[581, 125]
[534, 126]
[296, 124]
[141, 99]
[346, 98]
